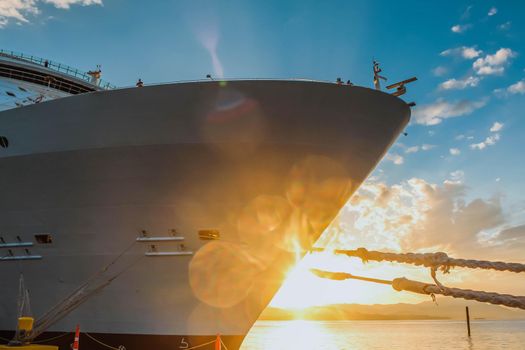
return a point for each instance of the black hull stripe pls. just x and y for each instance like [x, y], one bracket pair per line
[105, 341]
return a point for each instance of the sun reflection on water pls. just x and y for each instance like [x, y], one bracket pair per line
[291, 335]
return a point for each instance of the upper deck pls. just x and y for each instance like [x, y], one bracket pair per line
[54, 75]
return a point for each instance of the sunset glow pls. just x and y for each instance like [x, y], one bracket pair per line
[414, 216]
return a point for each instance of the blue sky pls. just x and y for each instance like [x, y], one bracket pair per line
[466, 136]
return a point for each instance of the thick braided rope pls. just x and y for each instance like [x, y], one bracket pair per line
[403, 284]
[436, 260]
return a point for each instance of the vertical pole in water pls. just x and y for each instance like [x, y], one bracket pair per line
[468, 321]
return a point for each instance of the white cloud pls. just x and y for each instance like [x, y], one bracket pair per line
[415, 215]
[20, 10]
[493, 64]
[455, 151]
[434, 113]
[395, 158]
[423, 147]
[427, 147]
[454, 84]
[439, 71]
[505, 26]
[460, 28]
[492, 11]
[65, 4]
[497, 126]
[463, 51]
[517, 88]
[456, 177]
[489, 141]
[514, 89]
[16, 10]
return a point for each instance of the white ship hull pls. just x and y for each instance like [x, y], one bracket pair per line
[267, 164]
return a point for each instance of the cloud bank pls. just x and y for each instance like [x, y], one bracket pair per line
[459, 84]
[517, 88]
[434, 113]
[491, 139]
[395, 158]
[493, 64]
[416, 215]
[20, 10]
[463, 51]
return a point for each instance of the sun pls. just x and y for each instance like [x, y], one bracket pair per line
[302, 289]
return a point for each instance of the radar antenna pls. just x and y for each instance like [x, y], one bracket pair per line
[401, 89]
[377, 70]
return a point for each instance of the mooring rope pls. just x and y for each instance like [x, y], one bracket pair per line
[5, 339]
[91, 286]
[101, 343]
[201, 345]
[433, 260]
[404, 284]
[52, 338]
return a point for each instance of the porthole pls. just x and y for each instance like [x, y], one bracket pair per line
[4, 142]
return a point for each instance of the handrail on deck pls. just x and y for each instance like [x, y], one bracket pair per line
[58, 67]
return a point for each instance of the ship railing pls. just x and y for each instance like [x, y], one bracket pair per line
[57, 67]
[225, 81]
[58, 84]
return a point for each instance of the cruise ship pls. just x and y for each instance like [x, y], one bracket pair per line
[164, 216]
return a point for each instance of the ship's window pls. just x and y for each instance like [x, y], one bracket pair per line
[4, 142]
[9, 93]
[44, 238]
[22, 89]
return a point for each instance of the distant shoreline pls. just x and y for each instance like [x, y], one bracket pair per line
[444, 309]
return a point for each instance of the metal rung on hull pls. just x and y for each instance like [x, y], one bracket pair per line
[159, 239]
[21, 257]
[16, 245]
[161, 254]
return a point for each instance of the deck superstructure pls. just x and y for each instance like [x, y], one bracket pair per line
[44, 72]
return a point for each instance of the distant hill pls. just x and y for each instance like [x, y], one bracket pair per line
[446, 308]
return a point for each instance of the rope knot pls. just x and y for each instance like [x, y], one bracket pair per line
[363, 254]
[441, 260]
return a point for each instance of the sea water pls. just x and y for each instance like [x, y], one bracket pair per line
[391, 335]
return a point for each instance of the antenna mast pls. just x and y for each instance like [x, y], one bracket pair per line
[377, 70]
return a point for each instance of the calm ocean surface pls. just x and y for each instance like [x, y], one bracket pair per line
[391, 335]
